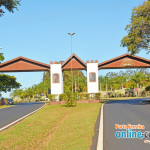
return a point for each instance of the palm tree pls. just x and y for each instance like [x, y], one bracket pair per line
[138, 77]
[111, 80]
[122, 78]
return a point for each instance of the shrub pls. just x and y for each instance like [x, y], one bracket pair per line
[81, 95]
[50, 97]
[53, 97]
[143, 93]
[90, 96]
[72, 100]
[147, 88]
[63, 97]
[76, 95]
[97, 96]
[87, 96]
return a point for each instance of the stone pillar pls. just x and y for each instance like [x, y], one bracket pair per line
[56, 78]
[92, 76]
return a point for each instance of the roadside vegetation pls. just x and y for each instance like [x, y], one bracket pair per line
[5, 106]
[113, 84]
[10, 6]
[138, 37]
[124, 83]
[54, 127]
[40, 91]
[7, 82]
[71, 128]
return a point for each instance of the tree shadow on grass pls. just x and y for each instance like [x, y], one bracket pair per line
[96, 133]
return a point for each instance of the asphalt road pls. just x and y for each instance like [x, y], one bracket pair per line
[125, 112]
[11, 114]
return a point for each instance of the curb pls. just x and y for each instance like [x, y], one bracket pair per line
[100, 135]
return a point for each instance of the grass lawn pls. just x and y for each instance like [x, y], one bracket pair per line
[55, 127]
[5, 106]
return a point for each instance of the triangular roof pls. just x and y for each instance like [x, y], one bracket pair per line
[77, 63]
[22, 64]
[125, 61]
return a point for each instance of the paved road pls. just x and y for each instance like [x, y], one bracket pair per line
[125, 112]
[10, 114]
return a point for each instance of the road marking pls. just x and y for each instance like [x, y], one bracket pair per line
[100, 135]
[21, 118]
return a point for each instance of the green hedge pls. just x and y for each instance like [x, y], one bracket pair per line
[63, 97]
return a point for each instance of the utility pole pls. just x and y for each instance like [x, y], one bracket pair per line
[71, 34]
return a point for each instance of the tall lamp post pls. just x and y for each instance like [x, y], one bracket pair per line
[71, 34]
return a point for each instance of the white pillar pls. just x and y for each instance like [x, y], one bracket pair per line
[56, 78]
[92, 77]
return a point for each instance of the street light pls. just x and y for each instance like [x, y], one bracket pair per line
[71, 34]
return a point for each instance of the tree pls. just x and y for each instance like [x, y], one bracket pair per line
[122, 78]
[147, 77]
[138, 77]
[138, 30]
[17, 92]
[46, 82]
[112, 80]
[79, 81]
[1, 57]
[10, 5]
[106, 81]
[7, 83]
[100, 81]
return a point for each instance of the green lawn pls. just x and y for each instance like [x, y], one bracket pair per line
[55, 127]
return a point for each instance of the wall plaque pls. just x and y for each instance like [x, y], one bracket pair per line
[92, 77]
[127, 62]
[55, 78]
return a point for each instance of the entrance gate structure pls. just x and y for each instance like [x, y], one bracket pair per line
[22, 64]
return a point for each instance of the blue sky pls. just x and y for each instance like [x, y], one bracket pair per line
[38, 30]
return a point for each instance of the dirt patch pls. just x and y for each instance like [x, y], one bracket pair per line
[51, 133]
